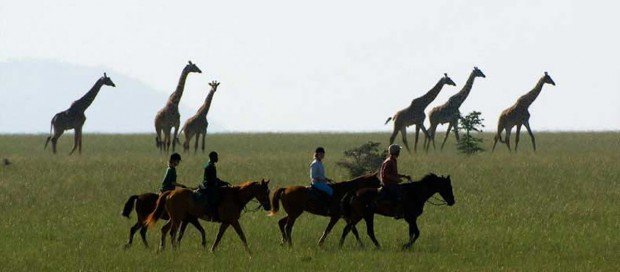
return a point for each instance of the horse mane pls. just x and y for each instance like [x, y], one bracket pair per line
[428, 178]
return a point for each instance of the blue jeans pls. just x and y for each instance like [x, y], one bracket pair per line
[323, 186]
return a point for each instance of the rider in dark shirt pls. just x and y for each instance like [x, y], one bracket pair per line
[170, 180]
[211, 184]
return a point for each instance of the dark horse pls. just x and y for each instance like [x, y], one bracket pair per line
[297, 199]
[363, 204]
[181, 207]
[145, 205]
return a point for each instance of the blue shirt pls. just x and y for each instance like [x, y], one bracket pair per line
[317, 172]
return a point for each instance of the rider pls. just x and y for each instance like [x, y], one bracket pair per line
[211, 184]
[170, 180]
[318, 179]
[390, 178]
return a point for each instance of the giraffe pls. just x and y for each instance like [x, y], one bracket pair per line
[74, 118]
[449, 112]
[518, 115]
[168, 117]
[197, 124]
[414, 114]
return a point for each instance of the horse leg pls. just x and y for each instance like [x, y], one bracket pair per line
[447, 134]
[143, 235]
[517, 137]
[529, 131]
[220, 233]
[181, 232]
[330, 225]
[282, 224]
[289, 228]
[132, 231]
[414, 233]
[164, 231]
[345, 232]
[370, 229]
[194, 221]
[357, 236]
[173, 232]
[239, 231]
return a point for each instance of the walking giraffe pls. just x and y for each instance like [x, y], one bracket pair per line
[74, 118]
[197, 124]
[518, 115]
[449, 112]
[169, 117]
[414, 114]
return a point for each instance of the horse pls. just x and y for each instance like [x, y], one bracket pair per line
[363, 204]
[182, 207]
[297, 199]
[145, 205]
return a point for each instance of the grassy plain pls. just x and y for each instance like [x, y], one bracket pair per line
[557, 209]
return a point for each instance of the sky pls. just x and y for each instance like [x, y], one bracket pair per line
[327, 65]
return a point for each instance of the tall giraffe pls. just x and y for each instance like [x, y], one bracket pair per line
[74, 118]
[518, 115]
[197, 124]
[168, 117]
[449, 112]
[414, 114]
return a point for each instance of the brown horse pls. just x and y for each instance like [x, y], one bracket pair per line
[182, 207]
[297, 199]
[145, 205]
[363, 204]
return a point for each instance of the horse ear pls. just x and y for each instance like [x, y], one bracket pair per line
[190, 62]
[267, 181]
[104, 74]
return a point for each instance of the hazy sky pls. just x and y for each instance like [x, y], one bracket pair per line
[346, 66]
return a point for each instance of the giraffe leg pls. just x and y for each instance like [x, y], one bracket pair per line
[431, 132]
[529, 131]
[517, 137]
[403, 133]
[204, 134]
[394, 133]
[187, 142]
[417, 134]
[80, 142]
[175, 139]
[426, 135]
[76, 137]
[456, 130]
[196, 143]
[167, 140]
[498, 136]
[508, 138]
[57, 134]
[447, 134]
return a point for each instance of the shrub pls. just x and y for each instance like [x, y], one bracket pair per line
[468, 144]
[364, 159]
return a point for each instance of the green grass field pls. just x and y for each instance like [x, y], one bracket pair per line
[557, 209]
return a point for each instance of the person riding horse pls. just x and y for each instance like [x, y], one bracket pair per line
[319, 181]
[211, 184]
[390, 178]
[170, 180]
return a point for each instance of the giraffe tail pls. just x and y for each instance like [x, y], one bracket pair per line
[388, 120]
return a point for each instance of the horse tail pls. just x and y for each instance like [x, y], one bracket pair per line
[129, 205]
[159, 210]
[388, 120]
[345, 204]
[275, 201]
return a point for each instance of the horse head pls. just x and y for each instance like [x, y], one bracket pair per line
[441, 185]
[261, 193]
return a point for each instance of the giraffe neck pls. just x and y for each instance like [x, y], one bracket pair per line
[460, 97]
[527, 99]
[85, 101]
[175, 98]
[427, 98]
[204, 110]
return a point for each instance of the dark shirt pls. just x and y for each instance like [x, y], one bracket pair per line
[389, 172]
[169, 179]
[210, 176]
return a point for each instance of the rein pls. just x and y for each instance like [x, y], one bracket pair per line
[442, 202]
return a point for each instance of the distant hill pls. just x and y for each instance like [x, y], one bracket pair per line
[35, 90]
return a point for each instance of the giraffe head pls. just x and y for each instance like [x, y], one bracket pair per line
[192, 68]
[107, 81]
[478, 73]
[214, 85]
[547, 79]
[447, 80]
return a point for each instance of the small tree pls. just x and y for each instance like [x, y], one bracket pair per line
[469, 144]
[364, 159]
